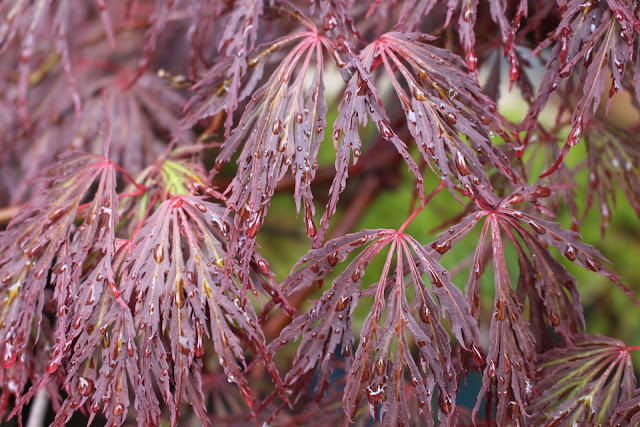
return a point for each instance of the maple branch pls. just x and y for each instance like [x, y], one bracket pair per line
[408, 221]
[426, 200]
[140, 187]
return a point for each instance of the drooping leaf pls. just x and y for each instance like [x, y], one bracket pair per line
[196, 14]
[238, 40]
[542, 280]
[628, 411]
[445, 109]
[176, 268]
[383, 354]
[569, 244]
[42, 238]
[235, 78]
[598, 38]
[282, 125]
[26, 20]
[612, 158]
[511, 354]
[141, 116]
[508, 31]
[582, 384]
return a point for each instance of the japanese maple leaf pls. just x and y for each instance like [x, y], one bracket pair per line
[542, 280]
[377, 368]
[582, 384]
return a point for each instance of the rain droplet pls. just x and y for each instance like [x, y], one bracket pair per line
[342, 303]
[309, 223]
[575, 135]
[283, 144]
[425, 314]
[491, 370]
[418, 94]
[515, 198]
[570, 253]
[472, 60]
[537, 228]
[513, 71]
[461, 164]
[85, 386]
[158, 253]
[443, 248]
[52, 365]
[57, 214]
[385, 130]
[478, 357]
[542, 192]
[357, 274]
[34, 250]
[451, 117]
[118, 409]
[445, 403]
[507, 364]
[333, 259]
[468, 13]
[435, 278]
[477, 270]
[329, 22]
[199, 341]
[277, 126]
[9, 356]
[591, 264]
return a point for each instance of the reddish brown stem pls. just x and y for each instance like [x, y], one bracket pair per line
[140, 187]
[408, 221]
[417, 211]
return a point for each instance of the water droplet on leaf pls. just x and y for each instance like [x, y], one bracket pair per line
[425, 314]
[158, 253]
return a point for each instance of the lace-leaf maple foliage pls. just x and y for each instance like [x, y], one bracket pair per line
[584, 383]
[143, 143]
[379, 363]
